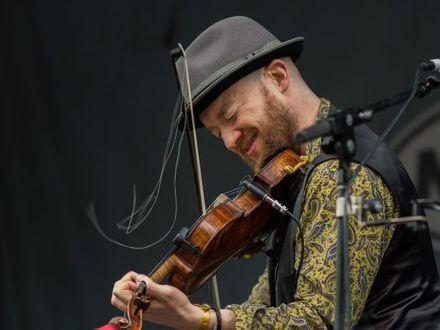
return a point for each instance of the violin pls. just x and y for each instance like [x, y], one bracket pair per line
[225, 230]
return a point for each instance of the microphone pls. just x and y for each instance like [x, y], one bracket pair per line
[431, 65]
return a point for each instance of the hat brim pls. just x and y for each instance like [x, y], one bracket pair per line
[292, 48]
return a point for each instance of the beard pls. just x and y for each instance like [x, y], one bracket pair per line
[276, 132]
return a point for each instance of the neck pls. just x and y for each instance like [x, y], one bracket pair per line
[306, 113]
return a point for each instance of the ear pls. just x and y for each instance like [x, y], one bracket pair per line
[278, 73]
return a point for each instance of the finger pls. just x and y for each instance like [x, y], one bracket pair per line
[123, 295]
[128, 285]
[142, 277]
[123, 291]
[118, 303]
[127, 278]
[130, 276]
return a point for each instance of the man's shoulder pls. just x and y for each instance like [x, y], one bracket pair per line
[321, 187]
[324, 174]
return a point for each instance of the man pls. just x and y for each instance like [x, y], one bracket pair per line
[248, 92]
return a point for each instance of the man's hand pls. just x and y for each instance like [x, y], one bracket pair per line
[169, 306]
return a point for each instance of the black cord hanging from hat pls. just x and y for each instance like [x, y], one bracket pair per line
[194, 150]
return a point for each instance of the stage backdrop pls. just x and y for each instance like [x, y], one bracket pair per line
[86, 95]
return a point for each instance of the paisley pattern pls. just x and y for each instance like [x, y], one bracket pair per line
[314, 303]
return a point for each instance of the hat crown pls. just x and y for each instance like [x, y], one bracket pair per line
[221, 44]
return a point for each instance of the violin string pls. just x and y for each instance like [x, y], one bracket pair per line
[133, 208]
[156, 195]
[90, 211]
[140, 212]
[138, 222]
[234, 192]
[231, 194]
[140, 219]
[151, 200]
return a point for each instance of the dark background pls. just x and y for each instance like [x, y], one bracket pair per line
[86, 94]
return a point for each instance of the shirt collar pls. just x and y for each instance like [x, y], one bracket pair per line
[313, 148]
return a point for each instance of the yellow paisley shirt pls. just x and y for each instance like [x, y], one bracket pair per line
[314, 303]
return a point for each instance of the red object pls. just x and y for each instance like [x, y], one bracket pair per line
[108, 327]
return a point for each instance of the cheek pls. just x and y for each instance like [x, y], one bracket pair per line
[253, 120]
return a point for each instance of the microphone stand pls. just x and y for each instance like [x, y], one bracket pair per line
[339, 139]
[346, 119]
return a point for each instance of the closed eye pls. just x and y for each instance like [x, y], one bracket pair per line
[231, 115]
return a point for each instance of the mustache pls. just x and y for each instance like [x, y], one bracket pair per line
[244, 142]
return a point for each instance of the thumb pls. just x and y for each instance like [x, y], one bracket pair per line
[151, 285]
[157, 291]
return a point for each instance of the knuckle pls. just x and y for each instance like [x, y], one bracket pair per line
[141, 277]
[116, 287]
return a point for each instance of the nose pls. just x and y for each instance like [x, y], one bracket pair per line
[231, 139]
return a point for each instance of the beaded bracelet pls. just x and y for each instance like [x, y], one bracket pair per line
[218, 314]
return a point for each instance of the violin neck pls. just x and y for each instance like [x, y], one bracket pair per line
[163, 270]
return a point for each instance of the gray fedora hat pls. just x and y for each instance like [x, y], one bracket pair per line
[226, 52]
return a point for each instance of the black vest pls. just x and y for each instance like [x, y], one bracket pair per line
[406, 291]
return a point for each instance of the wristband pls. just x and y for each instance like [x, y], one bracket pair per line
[204, 320]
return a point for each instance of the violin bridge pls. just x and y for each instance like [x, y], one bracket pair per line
[220, 200]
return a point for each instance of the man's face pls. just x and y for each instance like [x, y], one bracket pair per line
[252, 122]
